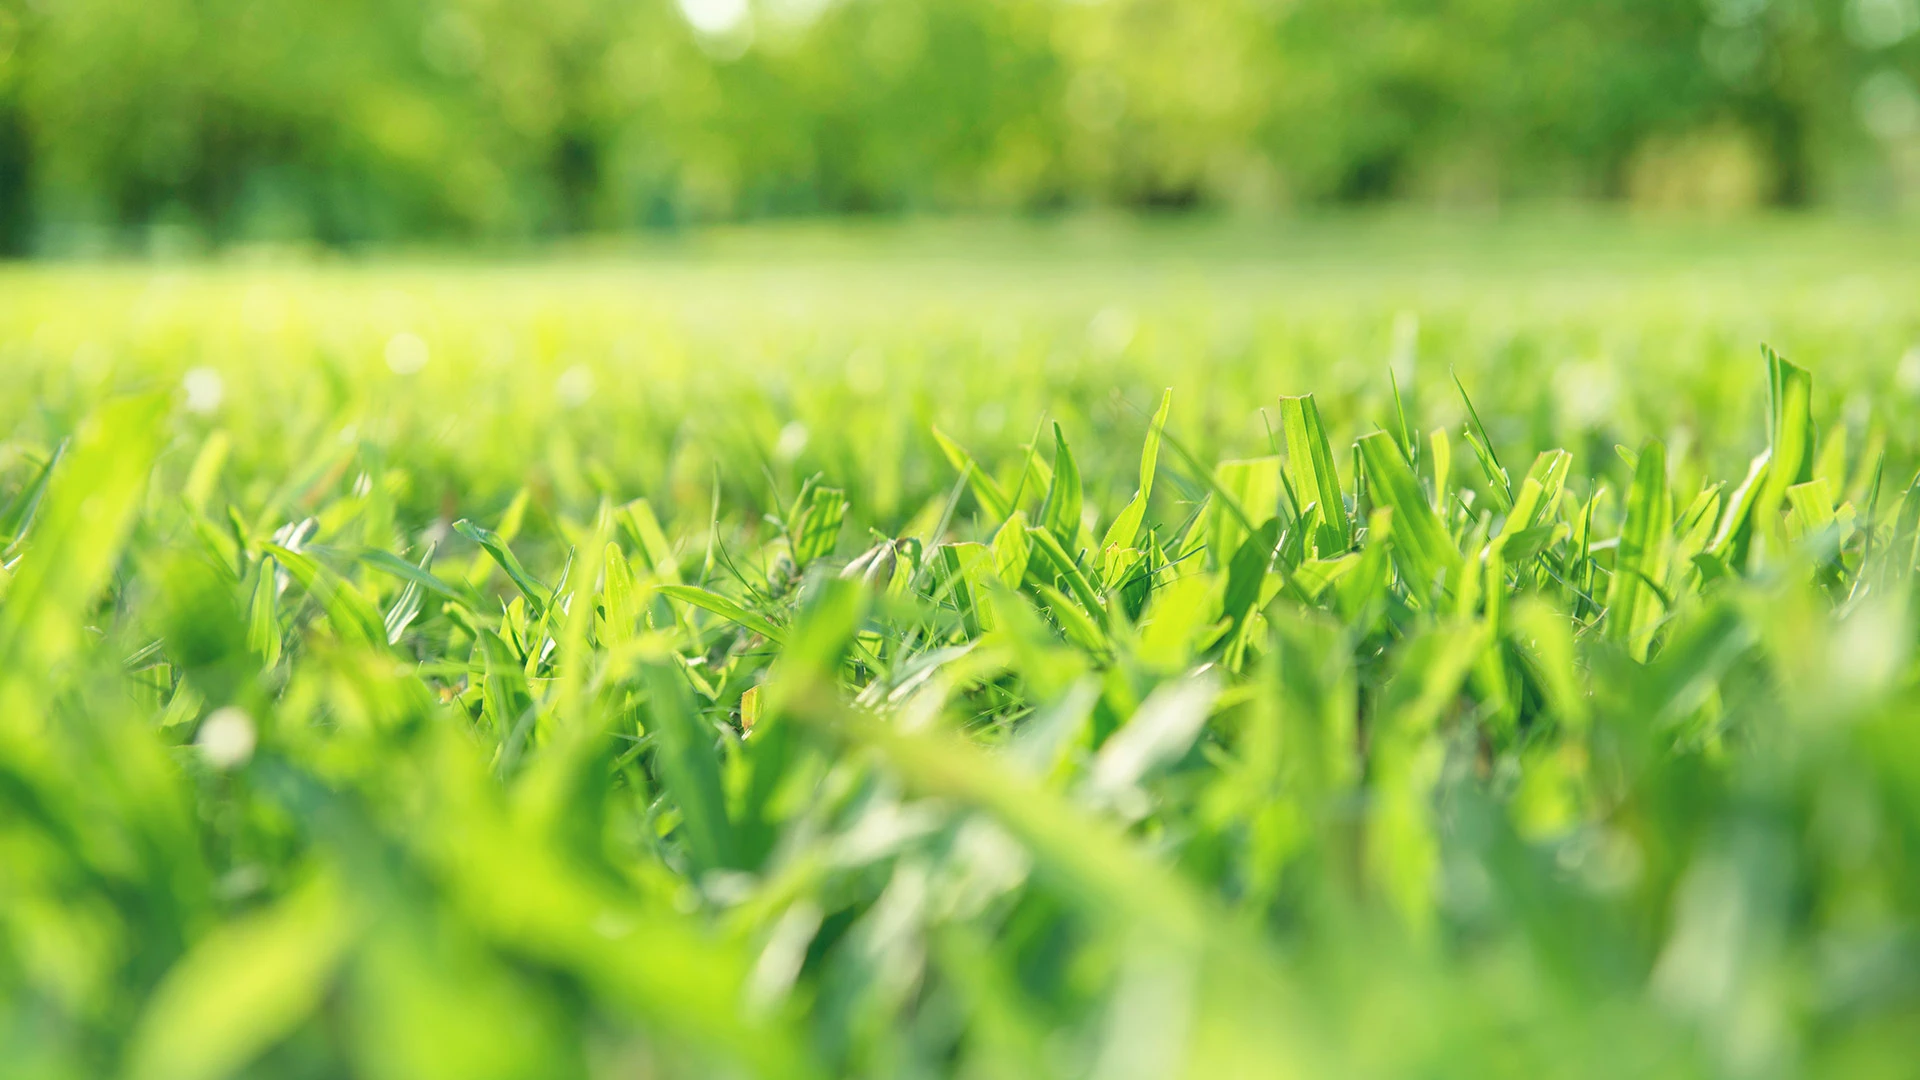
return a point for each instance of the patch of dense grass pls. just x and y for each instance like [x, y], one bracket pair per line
[689, 672]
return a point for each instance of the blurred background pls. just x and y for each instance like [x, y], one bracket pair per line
[181, 125]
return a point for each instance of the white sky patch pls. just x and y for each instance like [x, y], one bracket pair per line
[406, 353]
[1888, 105]
[226, 738]
[575, 386]
[866, 370]
[205, 390]
[793, 439]
[716, 18]
[1907, 374]
[1111, 330]
[1881, 24]
[796, 13]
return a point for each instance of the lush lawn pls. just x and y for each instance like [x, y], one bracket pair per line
[773, 654]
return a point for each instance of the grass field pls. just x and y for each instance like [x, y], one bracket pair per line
[1340, 650]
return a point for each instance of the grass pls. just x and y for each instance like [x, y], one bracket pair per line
[1107, 661]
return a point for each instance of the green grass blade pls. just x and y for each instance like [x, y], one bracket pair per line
[725, 608]
[1310, 464]
[1421, 547]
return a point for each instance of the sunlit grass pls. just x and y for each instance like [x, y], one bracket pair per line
[995, 664]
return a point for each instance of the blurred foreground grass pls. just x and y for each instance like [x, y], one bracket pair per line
[778, 657]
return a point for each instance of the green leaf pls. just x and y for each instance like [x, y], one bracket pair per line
[348, 611]
[1247, 575]
[726, 609]
[1539, 491]
[1011, 550]
[417, 576]
[1072, 617]
[406, 607]
[1498, 483]
[1060, 513]
[1790, 419]
[1736, 523]
[1063, 564]
[1545, 638]
[1403, 849]
[538, 595]
[1150, 451]
[1247, 495]
[1311, 469]
[814, 526]
[241, 989]
[1791, 438]
[1422, 549]
[263, 618]
[643, 529]
[689, 768]
[985, 489]
[620, 597]
[1125, 528]
[965, 570]
[506, 699]
[18, 513]
[1440, 444]
[1902, 555]
[88, 509]
[1809, 508]
[1634, 607]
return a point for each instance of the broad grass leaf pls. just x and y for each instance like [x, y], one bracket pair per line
[689, 768]
[1791, 438]
[1075, 623]
[241, 989]
[427, 1001]
[1247, 495]
[726, 609]
[1011, 551]
[1060, 512]
[1440, 448]
[1732, 538]
[538, 595]
[1246, 574]
[1159, 734]
[1422, 549]
[1545, 638]
[621, 602]
[348, 611]
[1499, 484]
[506, 698]
[1634, 607]
[1174, 621]
[88, 508]
[263, 617]
[1313, 475]
[1402, 855]
[815, 524]
[17, 515]
[406, 607]
[991, 497]
[1539, 491]
[1062, 564]
[1125, 527]
[642, 527]
[416, 575]
[964, 570]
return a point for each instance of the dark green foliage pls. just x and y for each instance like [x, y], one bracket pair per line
[171, 123]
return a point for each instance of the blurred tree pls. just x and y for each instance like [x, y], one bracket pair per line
[355, 120]
[16, 146]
